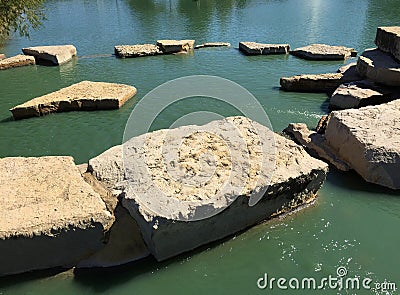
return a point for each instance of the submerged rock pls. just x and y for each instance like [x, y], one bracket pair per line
[213, 44]
[312, 82]
[324, 52]
[253, 48]
[388, 40]
[369, 140]
[175, 46]
[55, 55]
[208, 172]
[136, 50]
[356, 95]
[82, 96]
[379, 66]
[16, 61]
[50, 216]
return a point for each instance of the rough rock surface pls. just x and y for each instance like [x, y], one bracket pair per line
[388, 40]
[355, 95]
[85, 96]
[207, 159]
[379, 66]
[2, 56]
[50, 217]
[324, 52]
[369, 140]
[349, 72]
[312, 82]
[315, 144]
[56, 55]
[175, 46]
[213, 44]
[16, 61]
[253, 48]
[136, 50]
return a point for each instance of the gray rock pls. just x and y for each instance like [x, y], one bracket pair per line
[50, 216]
[349, 72]
[175, 46]
[213, 44]
[253, 48]
[324, 52]
[82, 96]
[379, 67]
[369, 140]
[136, 50]
[315, 144]
[221, 163]
[388, 40]
[55, 55]
[355, 95]
[312, 82]
[16, 61]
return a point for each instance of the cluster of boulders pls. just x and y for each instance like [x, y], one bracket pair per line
[108, 212]
[365, 134]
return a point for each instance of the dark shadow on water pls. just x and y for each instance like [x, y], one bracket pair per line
[353, 181]
[6, 120]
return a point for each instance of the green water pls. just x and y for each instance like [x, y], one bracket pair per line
[352, 224]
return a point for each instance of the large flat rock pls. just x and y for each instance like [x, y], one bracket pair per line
[324, 52]
[50, 217]
[312, 82]
[16, 61]
[253, 48]
[175, 46]
[379, 66]
[369, 140]
[213, 44]
[83, 96]
[136, 50]
[195, 170]
[56, 55]
[356, 95]
[388, 40]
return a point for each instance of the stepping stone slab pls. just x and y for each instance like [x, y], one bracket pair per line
[175, 46]
[50, 217]
[136, 50]
[56, 55]
[253, 48]
[83, 96]
[168, 179]
[312, 83]
[16, 61]
[388, 40]
[213, 44]
[369, 140]
[324, 52]
[379, 67]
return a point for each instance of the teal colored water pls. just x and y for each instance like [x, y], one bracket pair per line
[353, 224]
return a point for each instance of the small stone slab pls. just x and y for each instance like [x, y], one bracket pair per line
[355, 95]
[369, 140]
[253, 48]
[83, 96]
[175, 46]
[56, 55]
[312, 82]
[16, 61]
[213, 44]
[50, 217]
[139, 50]
[324, 52]
[379, 66]
[388, 40]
